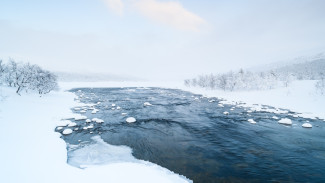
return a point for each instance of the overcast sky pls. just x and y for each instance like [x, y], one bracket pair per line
[159, 39]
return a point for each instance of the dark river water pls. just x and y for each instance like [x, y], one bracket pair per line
[190, 135]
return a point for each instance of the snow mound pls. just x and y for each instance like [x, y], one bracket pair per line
[147, 104]
[307, 125]
[131, 120]
[251, 121]
[67, 132]
[285, 121]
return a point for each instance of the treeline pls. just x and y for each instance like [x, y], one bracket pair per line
[241, 80]
[246, 80]
[26, 76]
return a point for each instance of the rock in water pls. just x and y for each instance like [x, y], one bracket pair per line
[285, 121]
[147, 104]
[307, 125]
[67, 132]
[251, 121]
[131, 120]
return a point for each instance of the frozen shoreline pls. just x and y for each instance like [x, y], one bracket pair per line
[33, 152]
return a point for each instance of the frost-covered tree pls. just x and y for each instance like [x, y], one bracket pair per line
[26, 76]
[320, 85]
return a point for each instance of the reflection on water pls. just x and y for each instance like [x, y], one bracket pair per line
[190, 135]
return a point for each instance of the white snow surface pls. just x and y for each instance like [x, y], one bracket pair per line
[37, 157]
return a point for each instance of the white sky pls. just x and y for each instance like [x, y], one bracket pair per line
[159, 39]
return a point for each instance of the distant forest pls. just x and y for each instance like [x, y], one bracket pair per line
[249, 80]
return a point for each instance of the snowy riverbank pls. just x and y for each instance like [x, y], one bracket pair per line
[33, 152]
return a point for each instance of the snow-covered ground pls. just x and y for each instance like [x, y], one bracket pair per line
[32, 152]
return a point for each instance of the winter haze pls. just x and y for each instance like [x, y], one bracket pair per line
[159, 40]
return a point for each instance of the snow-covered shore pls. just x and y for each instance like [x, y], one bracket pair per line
[33, 152]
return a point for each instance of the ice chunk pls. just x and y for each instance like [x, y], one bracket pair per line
[118, 107]
[80, 118]
[99, 153]
[88, 121]
[94, 111]
[67, 132]
[97, 120]
[131, 120]
[113, 105]
[220, 105]
[59, 128]
[211, 101]
[274, 117]
[72, 124]
[124, 114]
[285, 121]
[225, 113]
[251, 121]
[147, 104]
[307, 125]
[83, 111]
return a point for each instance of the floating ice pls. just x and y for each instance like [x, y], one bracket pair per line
[83, 111]
[251, 121]
[307, 125]
[124, 114]
[67, 132]
[77, 108]
[225, 113]
[113, 105]
[59, 128]
[220, 105]
[98, 102]
[285, 121]
[118, 107]
[131, 120]
[147, 104]
[211, 101]
[88, 121]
